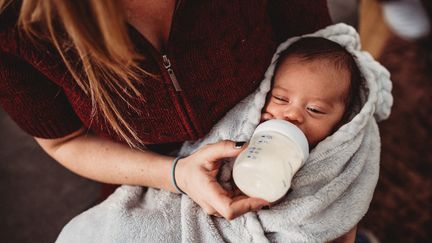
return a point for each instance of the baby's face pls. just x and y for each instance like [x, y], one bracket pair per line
[309, 94]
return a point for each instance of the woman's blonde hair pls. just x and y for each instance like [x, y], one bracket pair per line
[97, 32]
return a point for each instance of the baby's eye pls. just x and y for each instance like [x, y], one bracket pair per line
[281, 99]
[315, 110]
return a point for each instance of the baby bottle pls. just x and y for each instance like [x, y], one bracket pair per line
[275, 153]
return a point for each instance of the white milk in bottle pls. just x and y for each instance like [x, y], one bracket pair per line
[275, 153]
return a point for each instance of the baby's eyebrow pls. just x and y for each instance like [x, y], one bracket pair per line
[329, 101]
[323, 101]
[280, 87]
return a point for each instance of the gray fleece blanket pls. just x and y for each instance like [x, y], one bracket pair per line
[330, 193]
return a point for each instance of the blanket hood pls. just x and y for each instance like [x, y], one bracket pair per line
[378, 84]
[377, 99]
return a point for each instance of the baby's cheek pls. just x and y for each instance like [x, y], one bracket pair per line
[322, 133]
[314, 134]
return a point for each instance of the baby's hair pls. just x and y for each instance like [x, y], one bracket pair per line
[318, 48]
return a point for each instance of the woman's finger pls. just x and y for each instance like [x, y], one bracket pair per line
[243, 204]
[217, 215]
[231, 208]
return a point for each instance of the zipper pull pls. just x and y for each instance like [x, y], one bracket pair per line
[167, 65]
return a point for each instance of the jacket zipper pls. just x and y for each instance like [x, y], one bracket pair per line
[173, 78]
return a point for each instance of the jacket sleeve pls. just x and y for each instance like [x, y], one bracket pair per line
[35, 103]
[292, 17]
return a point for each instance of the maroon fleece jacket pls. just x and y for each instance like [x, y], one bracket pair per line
[218, 51]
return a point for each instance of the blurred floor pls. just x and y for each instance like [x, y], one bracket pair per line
[401, 210]
[37, 196]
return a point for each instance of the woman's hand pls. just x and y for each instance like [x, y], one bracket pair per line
[196, 176]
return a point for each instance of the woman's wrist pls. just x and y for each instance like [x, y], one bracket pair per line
[161, 171]
[173, 175]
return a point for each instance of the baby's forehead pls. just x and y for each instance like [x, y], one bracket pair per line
[329, 78]
[325, 61]
[322, 64]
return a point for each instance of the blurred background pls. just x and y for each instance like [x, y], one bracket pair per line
[38, 196]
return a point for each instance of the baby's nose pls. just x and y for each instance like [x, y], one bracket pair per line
[294, 115]
[266, 116]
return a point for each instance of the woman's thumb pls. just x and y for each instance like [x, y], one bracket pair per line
[225, 149]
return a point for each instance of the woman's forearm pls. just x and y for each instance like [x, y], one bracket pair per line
[106, 161]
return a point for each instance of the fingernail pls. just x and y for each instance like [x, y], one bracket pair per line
[239, 145]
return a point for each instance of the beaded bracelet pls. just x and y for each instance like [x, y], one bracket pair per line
[174, 163]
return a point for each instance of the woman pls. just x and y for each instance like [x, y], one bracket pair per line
[110, 88]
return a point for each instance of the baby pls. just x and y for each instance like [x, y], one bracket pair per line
[316, 87]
